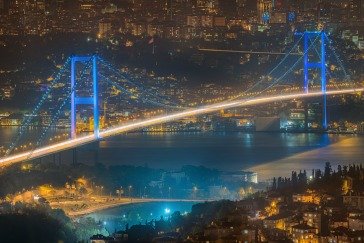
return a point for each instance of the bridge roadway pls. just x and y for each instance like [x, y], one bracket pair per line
[72, 143]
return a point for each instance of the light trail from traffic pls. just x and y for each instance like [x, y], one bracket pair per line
[249, 52]
[72, 143]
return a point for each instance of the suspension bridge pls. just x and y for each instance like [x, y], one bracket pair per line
[77, 94]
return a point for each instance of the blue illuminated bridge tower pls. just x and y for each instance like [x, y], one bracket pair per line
[91, 100]
[308, 38]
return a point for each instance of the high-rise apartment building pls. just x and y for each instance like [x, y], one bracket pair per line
[262, 7]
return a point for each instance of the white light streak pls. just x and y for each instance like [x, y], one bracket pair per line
[47, 150]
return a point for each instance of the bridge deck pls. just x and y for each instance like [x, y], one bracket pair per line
[69, 144]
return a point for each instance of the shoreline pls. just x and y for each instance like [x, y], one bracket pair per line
[215, 131]
[113, 204]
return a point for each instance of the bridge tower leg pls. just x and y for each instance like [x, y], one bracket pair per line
[93, 100]
[323, 81]
[321, 64]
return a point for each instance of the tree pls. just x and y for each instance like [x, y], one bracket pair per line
[34, 226]
[318, 174]
[294, 178]
[274, 184]
[339, 170]
[327, 172]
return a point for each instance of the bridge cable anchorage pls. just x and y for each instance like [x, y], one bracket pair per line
[143, 100]
[127, 79]
[272, 71]
[27, 120]
[58, 113]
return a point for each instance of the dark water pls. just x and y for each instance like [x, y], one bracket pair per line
[117, 218]
[220, 150]
[266, 153]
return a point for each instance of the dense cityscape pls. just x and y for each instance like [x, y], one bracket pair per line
[181, 121]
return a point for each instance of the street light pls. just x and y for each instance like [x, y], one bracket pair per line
[130, 187]
[195, 192]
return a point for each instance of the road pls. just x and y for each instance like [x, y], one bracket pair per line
[72, 207]
[69, 144]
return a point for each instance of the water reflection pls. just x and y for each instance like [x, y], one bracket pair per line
[224, 151]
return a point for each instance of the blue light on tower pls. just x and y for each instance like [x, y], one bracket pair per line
[266, 17]
[320, 65]
[291, 16]
[92, 100]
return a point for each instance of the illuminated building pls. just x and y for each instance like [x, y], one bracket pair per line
[303, 233]
[138, 29]
[171, 31]
[207, 21]
[313, 219]
[308, 197]
[193, 21]
[104, 28]
[279, 221]
[11, 120]
[314, 115]
[264, 6]
[347, 185]
[7, 92]
[207, 6]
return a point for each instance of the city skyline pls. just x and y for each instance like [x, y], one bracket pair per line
[181, 121]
